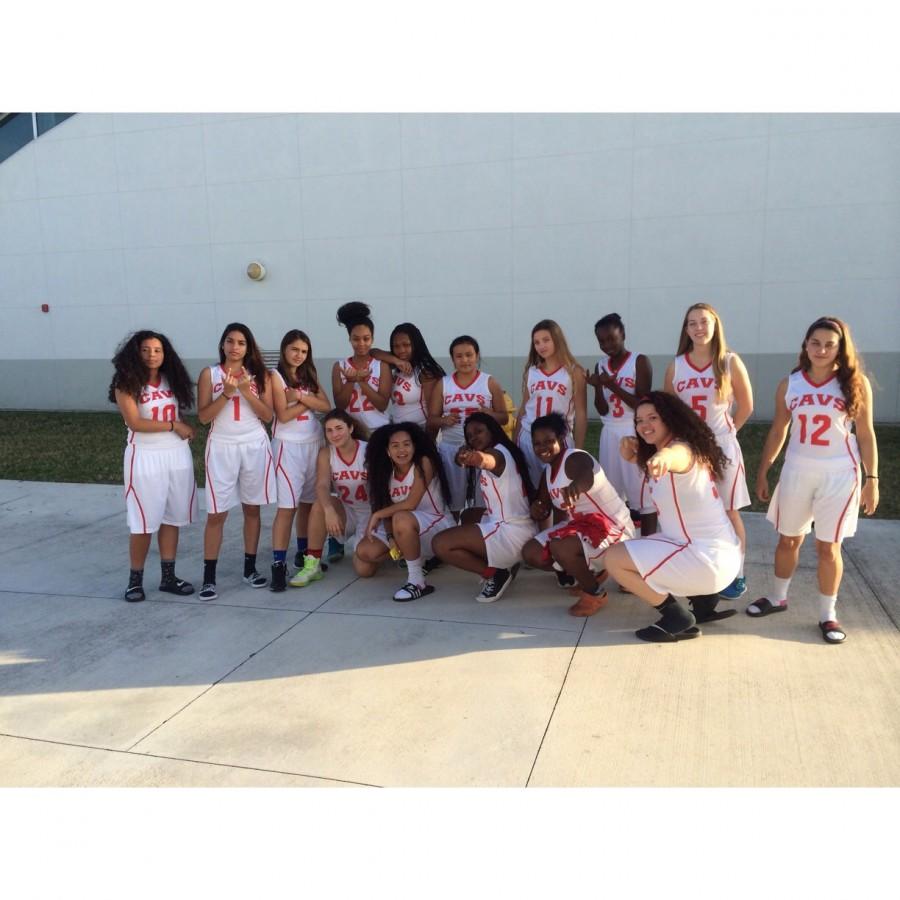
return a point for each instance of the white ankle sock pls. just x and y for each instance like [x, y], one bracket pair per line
[827, 612]
[779, 590]
[414, 571]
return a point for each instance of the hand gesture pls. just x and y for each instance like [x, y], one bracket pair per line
[453, 417]
[659, 463]
[539, 510]
[465, 456]
[229, 385]
[570, 493]
[401, 365]
[628, 449]
[245, 383]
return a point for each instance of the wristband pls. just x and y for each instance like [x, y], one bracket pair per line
[873, 477]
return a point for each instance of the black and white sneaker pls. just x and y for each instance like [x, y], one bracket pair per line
[411, 591]
[564, 580]
[255, 580]
[279, 577]
[495, 586]
[208, 592]
[430, 564]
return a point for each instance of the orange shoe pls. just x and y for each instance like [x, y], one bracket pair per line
[588, 604]
[599, 577]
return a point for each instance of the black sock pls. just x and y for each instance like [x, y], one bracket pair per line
[666, 603]
[249, 564]
[675, 618]
[704, 604]
[136, 578]
[209, 571]
[168, 569]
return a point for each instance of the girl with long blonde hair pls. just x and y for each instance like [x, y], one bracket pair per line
[552, 381]
[713, 381]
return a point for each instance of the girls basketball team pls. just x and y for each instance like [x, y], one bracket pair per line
[414, 464]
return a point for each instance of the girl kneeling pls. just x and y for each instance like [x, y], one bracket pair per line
[696, 552]
[491, 539]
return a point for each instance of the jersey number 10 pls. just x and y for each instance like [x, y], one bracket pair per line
[168, 413]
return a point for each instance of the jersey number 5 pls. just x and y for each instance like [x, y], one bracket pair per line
[698, 405]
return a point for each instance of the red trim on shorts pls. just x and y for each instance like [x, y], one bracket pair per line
[491, 533]
[212, 492]
[269, 465]
[435, 522]
[837, 530]
[278, 466]
[734, 487]
[683, 547]
[191, 504]
[131, 489]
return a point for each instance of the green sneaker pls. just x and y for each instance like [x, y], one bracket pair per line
[311, 571]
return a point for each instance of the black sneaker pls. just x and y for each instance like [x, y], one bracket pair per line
[298, 559]
[255, 580]
[176, 586]
[495, 586]
[279, 577]
[564, 580]
[432, 563]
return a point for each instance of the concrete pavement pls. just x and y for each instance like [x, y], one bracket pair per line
[336, 685]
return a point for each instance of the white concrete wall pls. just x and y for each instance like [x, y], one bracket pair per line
[479, 223]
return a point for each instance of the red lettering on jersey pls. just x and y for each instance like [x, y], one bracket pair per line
[694, 384]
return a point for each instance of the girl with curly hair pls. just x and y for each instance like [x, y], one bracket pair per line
[574, 486]
[465, 391]
[490, 538]
[696, 552]
[553, 380]
[408, 492]
[296, 440]
[823, 401]
[713, 381]
[152, 388]
[235, 395]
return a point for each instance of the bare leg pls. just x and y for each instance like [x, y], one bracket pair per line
[568, 553]
[212, 535]
[281, 528]
[406, 535]
[734, 516]
[252, 527]
[138, 548]
[303, 511]
[622, 568]
[831, 567]
[463, 547]
[533, 554]
[787, 555]
[370, 553]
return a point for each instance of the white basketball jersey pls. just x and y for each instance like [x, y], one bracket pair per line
[360, 406]
[689, 506]
[820, 428]
[305, 427]
[504, 497]
[157, 403]
[463, 401]
[408, 399]
[602, 497]
[350, 478]
[697, 387]
[431, 501]
[236, 422]
[548, 392]
[620, 415]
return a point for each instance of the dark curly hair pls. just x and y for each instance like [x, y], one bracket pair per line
[685, 425]
[498, 437]
[380, 466]
[131, 374]
[253, 361]
[421, 360]
[355, 313]
[305, 375]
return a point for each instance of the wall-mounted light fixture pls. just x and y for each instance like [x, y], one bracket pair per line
[256, 271]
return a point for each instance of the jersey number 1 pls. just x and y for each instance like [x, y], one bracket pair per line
[548, 403]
